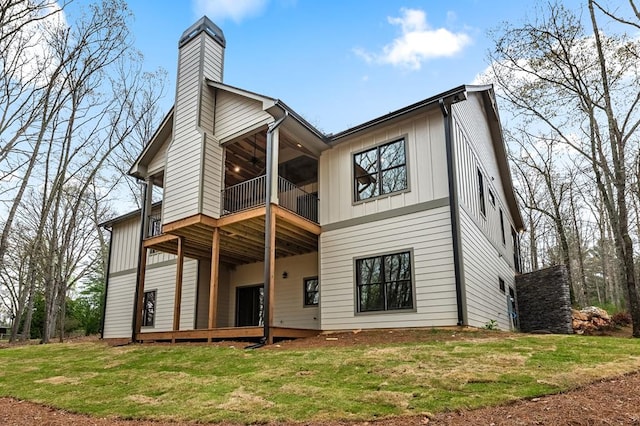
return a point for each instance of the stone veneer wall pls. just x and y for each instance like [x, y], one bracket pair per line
[544, 302]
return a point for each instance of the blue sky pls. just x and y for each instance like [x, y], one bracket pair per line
[337, 63]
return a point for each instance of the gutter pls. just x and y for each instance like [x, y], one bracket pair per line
[106, 284]
[143, 213]
[454, 212]
[267, 227]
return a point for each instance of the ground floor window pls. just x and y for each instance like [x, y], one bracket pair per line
[383, 283]
[149, 308]
[311, 291]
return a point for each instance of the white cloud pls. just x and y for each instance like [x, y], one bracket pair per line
[236, 10]
[417, 43]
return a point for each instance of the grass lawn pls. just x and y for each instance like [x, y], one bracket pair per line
[215, 383]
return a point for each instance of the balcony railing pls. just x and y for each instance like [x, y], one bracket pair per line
[155, 225]
[252, 193]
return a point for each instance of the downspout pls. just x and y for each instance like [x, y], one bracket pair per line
[267, 226]
[143, 214]
[106, 284]
[454, 212]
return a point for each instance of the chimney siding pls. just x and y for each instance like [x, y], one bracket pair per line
[193, 173]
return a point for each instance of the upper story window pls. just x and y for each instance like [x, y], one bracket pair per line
[483, 206]
[380, 170]
[502, 227]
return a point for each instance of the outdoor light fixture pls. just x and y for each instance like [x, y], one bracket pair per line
[236, 169]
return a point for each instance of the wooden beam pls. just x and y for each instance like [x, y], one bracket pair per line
[241, 216]
[299, 221]
[177, 301]
[149, 242]
[140, 290]
[215, 275]
[190, 221]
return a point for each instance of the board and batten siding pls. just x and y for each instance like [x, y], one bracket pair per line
[118, 313]
[123, 274]
[483, 266]
[236, 114]
[474, 150]
[289, 309]
[185, 174]
[427, 233]
[427, 169]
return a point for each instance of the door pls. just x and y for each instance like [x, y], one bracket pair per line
[249, 306]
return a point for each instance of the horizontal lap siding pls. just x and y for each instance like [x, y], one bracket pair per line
[289, 310]
[182, 176]
[212, 177]
[163, 280]
[483, 265]
[157, 163]
[235, 114]
[427, 168]
[427, 233]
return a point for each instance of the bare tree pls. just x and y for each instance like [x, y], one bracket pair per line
[582, 86]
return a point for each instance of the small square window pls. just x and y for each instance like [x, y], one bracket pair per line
[149, 308]
[311, 291]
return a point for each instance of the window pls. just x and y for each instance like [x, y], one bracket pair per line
[492, 198]
[504, 240]
[483, 207]
[383, 283]
[501, 285]
[380, 170]
[516, 251]
[148, 308]
[311, 291]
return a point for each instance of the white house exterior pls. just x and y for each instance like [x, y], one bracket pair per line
[270, 228]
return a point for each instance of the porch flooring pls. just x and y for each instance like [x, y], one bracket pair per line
[224, 333]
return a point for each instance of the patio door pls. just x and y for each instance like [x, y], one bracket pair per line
[249, 306]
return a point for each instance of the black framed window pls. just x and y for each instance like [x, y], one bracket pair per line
[380, 170]
[311, 291]
[149, 308]
[383, 283]
[483, 206]
[504, 241]
[492, 198]
[501, 285]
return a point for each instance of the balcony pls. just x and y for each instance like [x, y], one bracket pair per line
[252, 193]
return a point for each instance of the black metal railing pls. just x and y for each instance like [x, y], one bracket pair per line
[155, 225]
[297, 200]
[252, 193]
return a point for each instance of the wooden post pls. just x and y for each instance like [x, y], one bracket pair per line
[177, 301]
[272, 280]
[213, 282]
[140, 292]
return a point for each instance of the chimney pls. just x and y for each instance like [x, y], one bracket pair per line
[189, 189]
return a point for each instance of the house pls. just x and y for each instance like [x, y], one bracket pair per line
[269, 228]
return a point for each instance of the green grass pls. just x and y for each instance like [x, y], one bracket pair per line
[213, 383]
